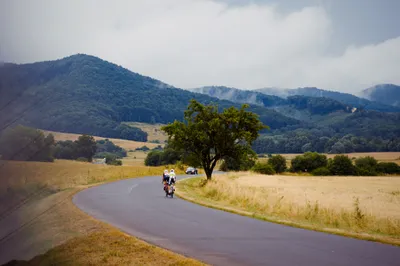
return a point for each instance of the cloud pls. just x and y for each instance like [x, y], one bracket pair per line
[190, 43]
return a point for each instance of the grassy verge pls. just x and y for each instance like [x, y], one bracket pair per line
[48, 223]
[107, 248]
[293, 202]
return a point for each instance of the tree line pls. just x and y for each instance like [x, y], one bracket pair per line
[319, 141]
[318, 164]
[29, 144]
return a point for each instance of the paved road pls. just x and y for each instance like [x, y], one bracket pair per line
[139, 207]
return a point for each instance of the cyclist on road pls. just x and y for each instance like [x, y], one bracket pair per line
[172, 177]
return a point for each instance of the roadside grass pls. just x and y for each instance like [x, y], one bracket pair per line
[361, 207]
[108, 248]
[47, 217]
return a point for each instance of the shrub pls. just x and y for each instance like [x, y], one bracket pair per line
[388, 168]
[321, 171]
[341, 165]
[153, 158]
[112, 159]
[115, 162]
[366, 162]
[143, 148]
[308, 162]
[278, 162]
[366, 166]
[158, 148]
[164, 157]
[263, 168]
[365, 171]
[243, 163]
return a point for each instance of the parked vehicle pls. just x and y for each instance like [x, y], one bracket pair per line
[191, 171]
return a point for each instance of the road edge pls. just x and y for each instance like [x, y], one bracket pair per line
[120, 230]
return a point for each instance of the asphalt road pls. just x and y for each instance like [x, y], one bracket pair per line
[139, 207]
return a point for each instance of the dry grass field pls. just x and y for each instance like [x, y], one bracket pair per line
[154, 131]
[365, 207]
[135, 158]
[126, 144]
[36, 206]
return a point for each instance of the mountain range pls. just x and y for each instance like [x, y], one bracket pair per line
[85, 94]
[384, 97]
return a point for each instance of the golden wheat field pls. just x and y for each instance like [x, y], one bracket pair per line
[37, 198]
[352, 205]
[126, 144]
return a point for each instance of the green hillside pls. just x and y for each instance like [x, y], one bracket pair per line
[84, 94]
[384, 93]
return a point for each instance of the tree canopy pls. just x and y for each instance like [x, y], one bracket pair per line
[206, 135]
[22, 143]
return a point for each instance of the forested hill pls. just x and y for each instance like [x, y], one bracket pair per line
[332, 126]
[384, 93]
[85, 94]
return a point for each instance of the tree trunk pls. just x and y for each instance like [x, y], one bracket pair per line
[208, 171]
[208, 168]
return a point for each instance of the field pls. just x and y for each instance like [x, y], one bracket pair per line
[153, 130]
[126, 144]
[36, 207]
[363, 207]
[135, 158]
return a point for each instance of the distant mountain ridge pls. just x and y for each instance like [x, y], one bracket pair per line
[270, 97]
[345, 98]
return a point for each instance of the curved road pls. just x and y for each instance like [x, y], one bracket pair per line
[139, 207]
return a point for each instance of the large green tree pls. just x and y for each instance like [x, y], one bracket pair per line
[206, 135]
[86, 147]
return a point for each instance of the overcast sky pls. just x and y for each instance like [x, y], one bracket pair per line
[343, 45]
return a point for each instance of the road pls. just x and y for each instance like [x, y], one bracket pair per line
[139, 207]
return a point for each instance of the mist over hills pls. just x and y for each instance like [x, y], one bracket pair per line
[273, 96]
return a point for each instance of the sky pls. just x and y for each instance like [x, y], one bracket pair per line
[342, 45]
